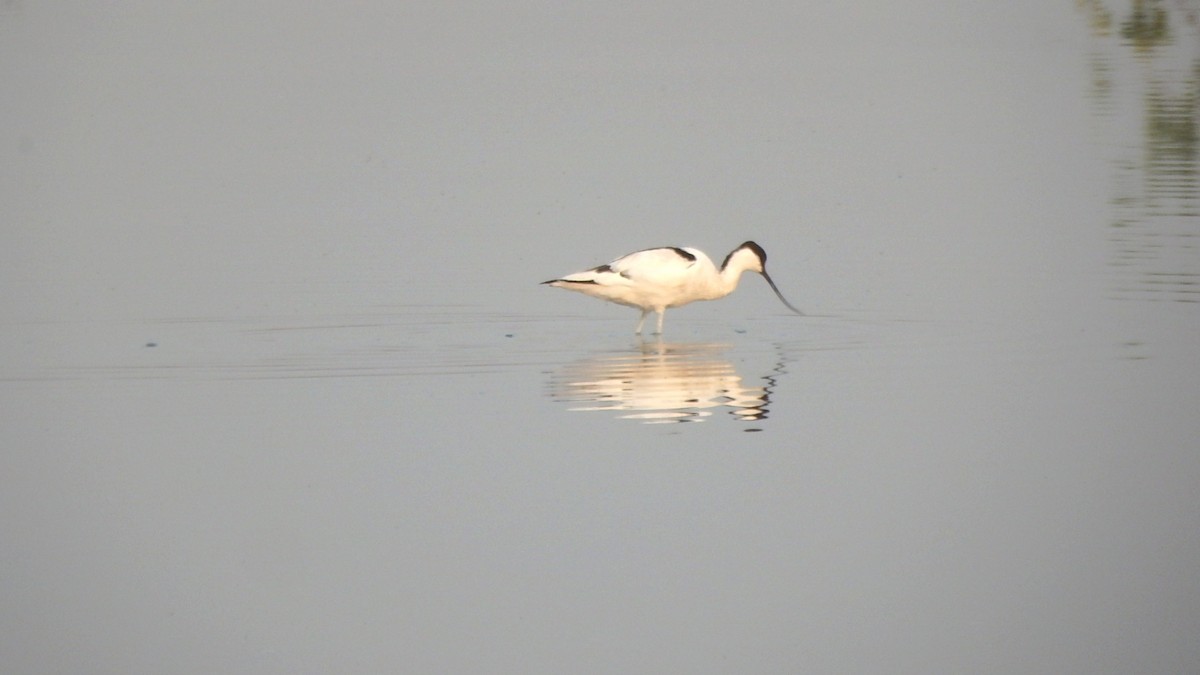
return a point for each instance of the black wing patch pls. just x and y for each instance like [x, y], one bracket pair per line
[683, 254]
[606, 268]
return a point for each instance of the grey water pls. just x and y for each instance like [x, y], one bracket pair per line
[280, 392]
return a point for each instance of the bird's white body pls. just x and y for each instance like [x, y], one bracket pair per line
[658, 278]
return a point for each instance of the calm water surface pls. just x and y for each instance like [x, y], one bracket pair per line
[281, 392]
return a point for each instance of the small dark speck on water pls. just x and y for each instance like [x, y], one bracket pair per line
[508, 335]
[151, 344]
[740, 331]
[751, 430]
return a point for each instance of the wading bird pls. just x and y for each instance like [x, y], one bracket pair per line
[658, 278]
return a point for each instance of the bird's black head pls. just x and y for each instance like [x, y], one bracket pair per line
[758, 250]
[753, 248]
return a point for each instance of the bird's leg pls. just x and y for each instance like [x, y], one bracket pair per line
[638, 330]
[661, 313]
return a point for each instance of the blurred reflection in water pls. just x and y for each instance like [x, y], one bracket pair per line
[660, 382]
[1146, 92]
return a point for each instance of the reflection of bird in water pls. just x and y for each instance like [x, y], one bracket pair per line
[662, 383]
[658, 278]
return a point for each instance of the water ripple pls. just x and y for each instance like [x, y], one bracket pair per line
[390, 342]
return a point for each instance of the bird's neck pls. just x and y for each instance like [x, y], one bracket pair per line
[725, 281]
